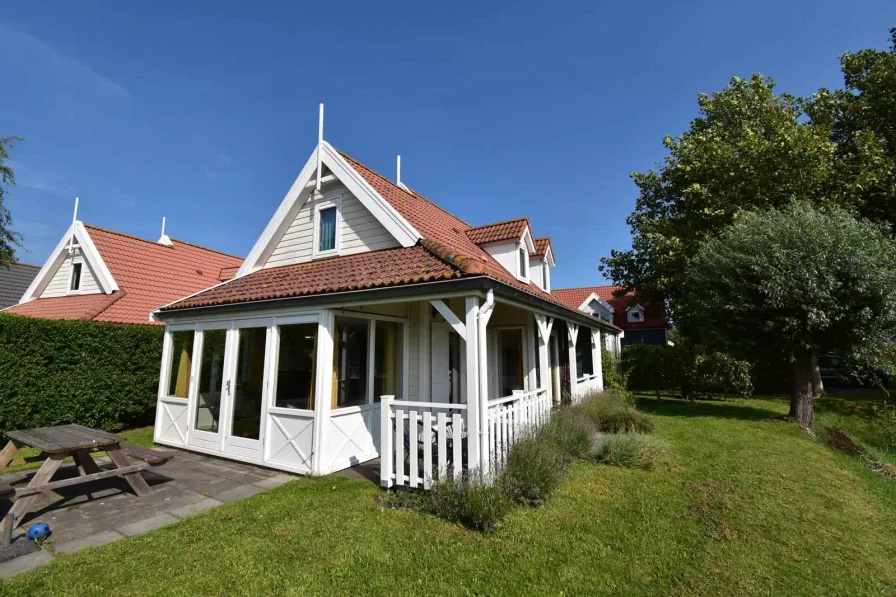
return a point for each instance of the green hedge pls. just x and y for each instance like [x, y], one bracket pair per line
[99, 375]
[684, 371]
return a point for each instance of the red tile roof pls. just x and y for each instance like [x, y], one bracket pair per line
[377, 269]
[148, 275]
[492, 233]
[446, 251]
[541, 247]
[574, 297]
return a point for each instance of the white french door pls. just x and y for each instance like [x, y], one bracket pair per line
[229, 393]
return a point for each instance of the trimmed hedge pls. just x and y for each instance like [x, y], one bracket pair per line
[56, 371]
[681, 370]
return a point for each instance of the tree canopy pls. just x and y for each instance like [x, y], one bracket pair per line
[801, 281]
[9, 238]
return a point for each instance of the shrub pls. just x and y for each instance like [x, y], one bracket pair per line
[612, 413]
[615, 378]
[633, 450]
[535, 466]
[686, 371]
[96, 374]
[570, 431]
[470, 501]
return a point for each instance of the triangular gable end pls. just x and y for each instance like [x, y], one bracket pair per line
[91, 256]
[594, 297]
[302, 189]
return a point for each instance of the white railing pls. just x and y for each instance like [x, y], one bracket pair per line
[584, 385]
[509, 417]
[421, 441]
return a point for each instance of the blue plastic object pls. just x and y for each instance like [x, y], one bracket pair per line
[38, 531]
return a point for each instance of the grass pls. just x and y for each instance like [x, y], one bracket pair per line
[633, 450]
[752, 506]
[139, 437]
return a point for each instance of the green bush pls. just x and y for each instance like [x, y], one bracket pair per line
[633, 450]
[611, 412]
[96, 374]
[570, 431]
[615, 378]
[470, 501]
[685, 371]
[534, 468]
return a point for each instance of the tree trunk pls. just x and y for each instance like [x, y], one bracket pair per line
[802, 398]
[817, 384]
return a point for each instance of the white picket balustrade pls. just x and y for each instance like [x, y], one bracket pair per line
[421, 441]
[509, 417]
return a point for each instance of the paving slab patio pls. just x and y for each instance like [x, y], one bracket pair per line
[106, 510]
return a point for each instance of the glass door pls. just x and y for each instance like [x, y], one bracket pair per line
[246, 393]
[207, 399]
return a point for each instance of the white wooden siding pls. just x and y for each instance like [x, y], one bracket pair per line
[507, 254]
[59, 283]
[413, 353]
[359, 232]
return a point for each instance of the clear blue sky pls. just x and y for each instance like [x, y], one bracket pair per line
[204, 112]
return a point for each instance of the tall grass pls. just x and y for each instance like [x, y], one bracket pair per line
[613, 412]
[633, 450]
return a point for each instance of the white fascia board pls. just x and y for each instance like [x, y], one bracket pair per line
[594, 297]
[549, 257]
[381, 209]
[298, 194]
[528, 240]
[57, 257]
[635, 306]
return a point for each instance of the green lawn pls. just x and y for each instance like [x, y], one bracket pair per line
[751, 506]
[139, 437]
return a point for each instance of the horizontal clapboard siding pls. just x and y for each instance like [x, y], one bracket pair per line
[59, 283]
[360, 231]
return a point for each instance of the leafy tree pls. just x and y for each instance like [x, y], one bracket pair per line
[800, 281]
[9, 239]
[750, 148]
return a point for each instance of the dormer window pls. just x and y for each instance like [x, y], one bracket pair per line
[326, 228]
[523, 266]
[635, 314]
[75, 281]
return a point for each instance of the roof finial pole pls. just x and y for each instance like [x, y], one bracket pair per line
[164, 240]
[71, 241]
[163, 225]
[320, 143]
[398, 170]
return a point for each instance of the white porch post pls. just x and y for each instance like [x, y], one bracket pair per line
[471, 352]
[531, 355]
[386, 439]
[596, 359]
[425, 389]
[485, 313]
[556, 390]
[544, 324]
[323, 389]
[573, 331]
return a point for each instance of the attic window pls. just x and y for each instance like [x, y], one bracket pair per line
[523, 271]
[326, 228]
[636, 314]
[75, 282]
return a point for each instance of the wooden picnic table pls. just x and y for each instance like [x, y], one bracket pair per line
[56, 444]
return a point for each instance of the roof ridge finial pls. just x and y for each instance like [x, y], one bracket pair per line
[71, 240]
[320, 144]
[164, 240]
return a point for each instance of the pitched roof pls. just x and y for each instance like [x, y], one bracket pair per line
[492, 233]
[653, 317]
[446, 251]
[541, 246]
[14, 281]
[148, 275]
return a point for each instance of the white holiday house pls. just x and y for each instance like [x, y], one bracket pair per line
[368, 322]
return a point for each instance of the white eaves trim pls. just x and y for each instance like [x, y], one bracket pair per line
[528, 240]
[594, 297]
[298, 194]
[57, 257]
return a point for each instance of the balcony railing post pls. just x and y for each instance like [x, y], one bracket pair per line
[387, 438]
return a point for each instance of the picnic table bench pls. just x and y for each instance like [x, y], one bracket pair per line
[56, 444]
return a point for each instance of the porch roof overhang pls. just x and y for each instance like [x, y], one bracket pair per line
[471, 285]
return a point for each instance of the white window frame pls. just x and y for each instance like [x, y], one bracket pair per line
[546, 274]
[71, 271]
[321, 205]
[522, 276]
[635, 309]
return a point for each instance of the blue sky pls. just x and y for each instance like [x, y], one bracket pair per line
[205, 112]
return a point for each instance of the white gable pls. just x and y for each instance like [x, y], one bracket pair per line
[359, 230]
[289, 236]
[54, 278]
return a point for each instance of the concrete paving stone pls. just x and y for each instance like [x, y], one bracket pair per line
[123, 517]
[275, 481]
[64, 533]
[194, 508]
[94, 540]
[25, 563]
[144, 526]
[238, 493]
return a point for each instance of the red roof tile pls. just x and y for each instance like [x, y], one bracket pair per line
[377, 269]
[574, 297]
[148, 275]
[492, 233]
[541, 247]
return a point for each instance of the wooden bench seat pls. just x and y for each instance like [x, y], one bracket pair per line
[151, 457]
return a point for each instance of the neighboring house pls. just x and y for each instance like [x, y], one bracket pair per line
[102, 275]
[641, 323]
[14, 280]
[367, 321]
